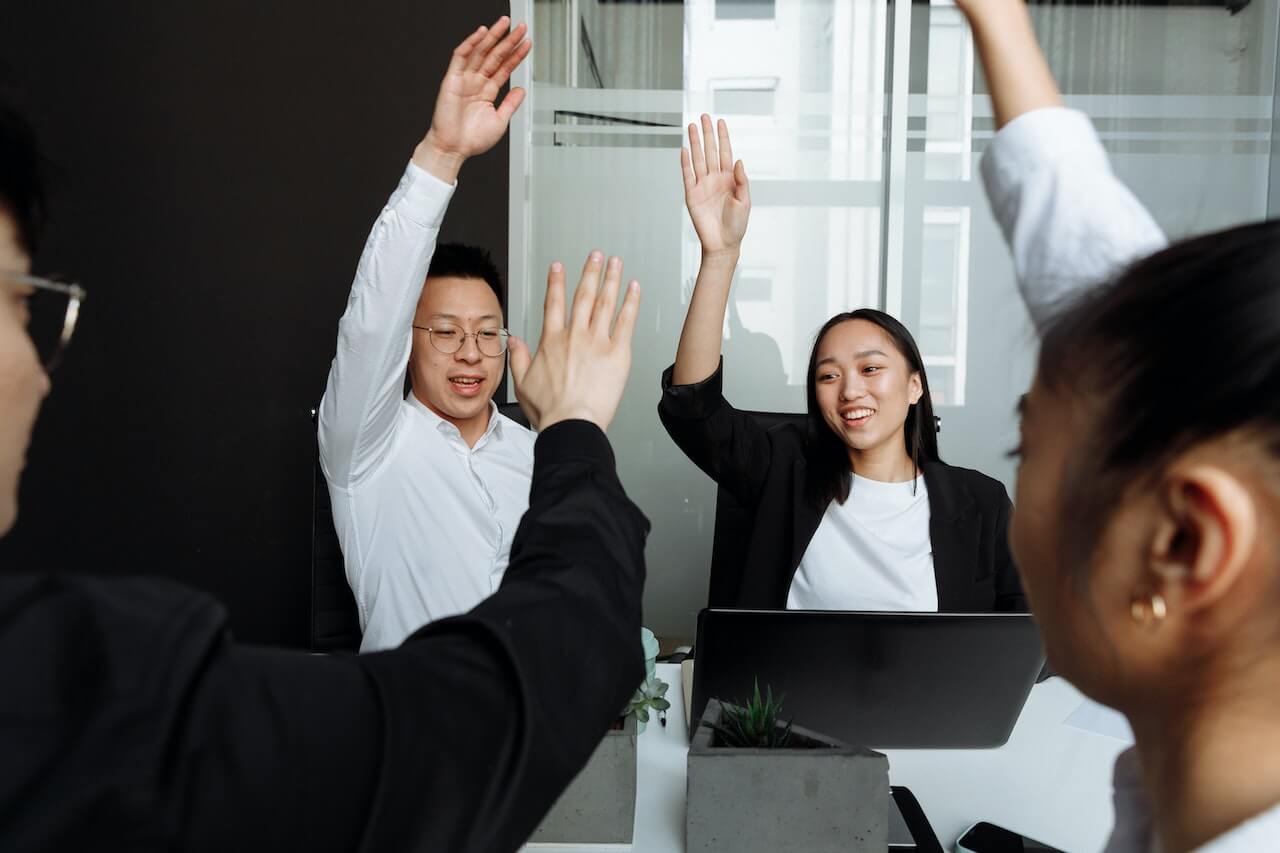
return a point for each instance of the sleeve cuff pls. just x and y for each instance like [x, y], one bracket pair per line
[572, 441]
[696, 401]
[1036, 139]
[422, 197]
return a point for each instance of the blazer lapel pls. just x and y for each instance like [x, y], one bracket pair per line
[804, 522]
[953, 536]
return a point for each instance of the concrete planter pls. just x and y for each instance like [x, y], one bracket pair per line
[817, 795]
[599, 806]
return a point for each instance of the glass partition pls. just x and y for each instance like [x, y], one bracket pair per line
[861, 123]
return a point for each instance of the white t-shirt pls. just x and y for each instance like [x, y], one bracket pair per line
[872, 552]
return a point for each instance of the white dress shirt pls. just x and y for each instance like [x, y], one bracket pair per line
[1069, 222]
[873, 552]
[425, 521]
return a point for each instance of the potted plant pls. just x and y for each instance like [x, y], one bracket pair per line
[758, 783]
[599, 806]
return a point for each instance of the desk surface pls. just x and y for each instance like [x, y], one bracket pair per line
[1050, 781]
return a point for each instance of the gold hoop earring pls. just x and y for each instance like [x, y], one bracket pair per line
[1148, 609]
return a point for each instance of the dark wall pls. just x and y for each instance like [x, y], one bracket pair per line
[218, 166]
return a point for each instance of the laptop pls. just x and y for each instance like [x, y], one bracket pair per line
[882, 680]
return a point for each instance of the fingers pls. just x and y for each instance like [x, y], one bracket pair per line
[607, 301]
[709, 140]
[458, 62]
[504, 49]
[585, 297]
[626, 325]
[726, 150]
[553, 305]
[481, 51]
[686, 168]
[511, 103]
[518, 359]
[696, 152]
[741, 186]
[512, 63]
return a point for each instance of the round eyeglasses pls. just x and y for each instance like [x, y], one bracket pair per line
[449, 339]
[52, 309]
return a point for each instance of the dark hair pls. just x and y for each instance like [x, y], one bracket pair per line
[460, 261]
[829, 469]
[1183, 347]
[22, 193]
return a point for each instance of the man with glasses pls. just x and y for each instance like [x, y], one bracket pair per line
[130, 720]
[427, 489]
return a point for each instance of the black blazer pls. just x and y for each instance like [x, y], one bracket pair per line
[765, 469]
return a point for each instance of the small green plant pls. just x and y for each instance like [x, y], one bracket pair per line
[649, 695]
[754, 724]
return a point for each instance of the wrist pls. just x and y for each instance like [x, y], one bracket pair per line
[438, 160]
[727, 256]
[571, 413]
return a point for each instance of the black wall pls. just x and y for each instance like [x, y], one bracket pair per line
[217, 168]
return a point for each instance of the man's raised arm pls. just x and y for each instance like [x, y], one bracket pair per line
[366, 381]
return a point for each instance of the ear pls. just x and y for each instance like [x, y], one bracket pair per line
[1206, 535]
[915, 388]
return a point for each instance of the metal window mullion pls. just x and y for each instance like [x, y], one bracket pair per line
[893, 230]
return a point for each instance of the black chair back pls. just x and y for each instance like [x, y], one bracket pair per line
[335, 624]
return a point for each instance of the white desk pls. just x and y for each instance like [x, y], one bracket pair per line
[1050, 781]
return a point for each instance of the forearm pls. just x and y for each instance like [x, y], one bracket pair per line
[366, 380]
[1016, 71]
[698, 354]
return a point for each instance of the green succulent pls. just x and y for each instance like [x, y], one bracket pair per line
[753, 724]
[648, 695]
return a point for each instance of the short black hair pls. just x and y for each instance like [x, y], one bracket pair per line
[457, 260]
[1183, 347]
[22, 180]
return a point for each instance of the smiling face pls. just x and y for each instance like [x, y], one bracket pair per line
[457, 386]
[23, 382]
[864, 386]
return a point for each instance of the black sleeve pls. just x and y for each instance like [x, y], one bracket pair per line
[462, 738]
[1009, 595]
[728, 445]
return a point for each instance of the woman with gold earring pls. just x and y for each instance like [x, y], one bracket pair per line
[1147, 528]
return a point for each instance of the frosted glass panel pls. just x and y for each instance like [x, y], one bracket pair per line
[854, 204]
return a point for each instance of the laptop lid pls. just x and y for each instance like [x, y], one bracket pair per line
[883, 680]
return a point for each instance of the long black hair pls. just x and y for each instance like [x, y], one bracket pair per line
[830, 472]
[1183, 347]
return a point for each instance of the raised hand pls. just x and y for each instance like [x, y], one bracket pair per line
[716, 189]
[581, 366]
[466, 122]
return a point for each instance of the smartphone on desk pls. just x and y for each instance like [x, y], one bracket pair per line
[988, 838]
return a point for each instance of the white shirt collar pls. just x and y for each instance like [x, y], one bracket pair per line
[493, 430]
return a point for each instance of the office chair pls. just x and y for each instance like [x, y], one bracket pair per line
[335, 624]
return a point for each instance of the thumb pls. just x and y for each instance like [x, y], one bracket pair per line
[520, 358]
[742, 186]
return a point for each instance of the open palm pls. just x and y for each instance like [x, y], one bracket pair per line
[466, 121]
[716, 189]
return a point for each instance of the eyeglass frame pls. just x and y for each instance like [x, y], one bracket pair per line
[505, 335]
[75, 296]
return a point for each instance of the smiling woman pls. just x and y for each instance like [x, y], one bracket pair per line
[857, 511]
